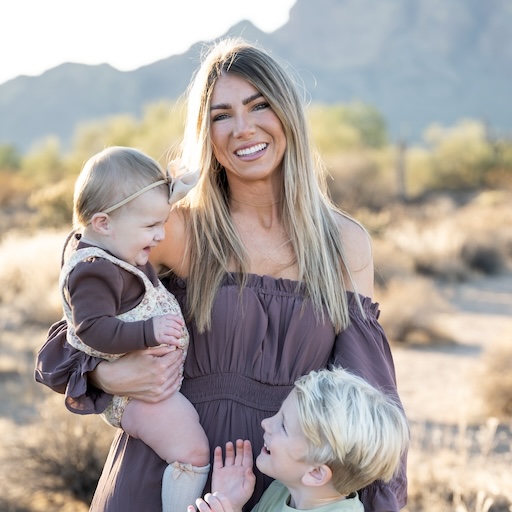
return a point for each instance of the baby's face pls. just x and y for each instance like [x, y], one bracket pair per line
[285, 445]
[139, 226]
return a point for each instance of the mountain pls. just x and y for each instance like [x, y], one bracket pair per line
[417, 62]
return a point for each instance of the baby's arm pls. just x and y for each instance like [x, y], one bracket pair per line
[168, 329]
[232, 480]
[96, 290]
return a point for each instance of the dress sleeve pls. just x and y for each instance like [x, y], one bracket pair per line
[364, 349]
[64, 369]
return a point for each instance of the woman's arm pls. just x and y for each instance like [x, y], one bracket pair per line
[88, 382]
[150, 375]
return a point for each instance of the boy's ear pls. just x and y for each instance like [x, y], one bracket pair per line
[100, 222]
[317, 476]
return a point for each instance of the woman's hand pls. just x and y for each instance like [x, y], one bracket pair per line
[149, 375]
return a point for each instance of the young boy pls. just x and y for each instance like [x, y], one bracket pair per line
[333, 435]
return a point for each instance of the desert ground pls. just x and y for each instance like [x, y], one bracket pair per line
[437, 382]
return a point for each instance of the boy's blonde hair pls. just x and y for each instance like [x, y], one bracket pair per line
[356, 430]
[110, 176]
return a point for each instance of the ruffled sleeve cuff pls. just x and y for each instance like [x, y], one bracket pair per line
[64, 369]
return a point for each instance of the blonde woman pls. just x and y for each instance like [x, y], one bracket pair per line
[275, 280]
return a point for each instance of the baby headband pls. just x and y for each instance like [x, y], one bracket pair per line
[179, 186]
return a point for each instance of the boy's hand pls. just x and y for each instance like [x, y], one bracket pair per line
[168, 329]
[234, 477]
[232, 480]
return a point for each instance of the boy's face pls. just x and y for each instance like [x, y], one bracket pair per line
[284, 445]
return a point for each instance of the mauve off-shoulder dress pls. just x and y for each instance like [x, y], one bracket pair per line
[236, 374]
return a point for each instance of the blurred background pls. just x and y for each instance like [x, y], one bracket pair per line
[409, 109]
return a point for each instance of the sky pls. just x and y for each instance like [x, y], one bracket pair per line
[37, 35]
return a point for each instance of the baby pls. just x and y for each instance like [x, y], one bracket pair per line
[114, 302]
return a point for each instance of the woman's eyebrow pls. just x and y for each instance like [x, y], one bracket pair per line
[246, 101]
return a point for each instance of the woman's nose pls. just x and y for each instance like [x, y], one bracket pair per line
[244, 127]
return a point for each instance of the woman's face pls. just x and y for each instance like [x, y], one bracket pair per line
[247, 136]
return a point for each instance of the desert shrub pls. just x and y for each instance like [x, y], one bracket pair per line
[459, 155]
[390, 263]
[412, 310]
[29, 273]
[53, 204]
[358, 181]
[433, 245]
[14, 190]
[44, 164]
[495, 382]
[484, 256]
[345, 127]
[465, 473]
[61, 454]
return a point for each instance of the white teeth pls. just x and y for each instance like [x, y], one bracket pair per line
[250, 151]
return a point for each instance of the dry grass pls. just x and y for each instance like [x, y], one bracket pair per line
[29, 270]
[413, 306]
[54, 462]
[496, 377]
[460, 468]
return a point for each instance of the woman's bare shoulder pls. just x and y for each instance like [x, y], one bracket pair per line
[358, 251]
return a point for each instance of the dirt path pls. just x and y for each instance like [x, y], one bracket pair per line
[438, 384]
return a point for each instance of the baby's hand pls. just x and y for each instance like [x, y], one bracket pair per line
[168, 329]
[215, 502]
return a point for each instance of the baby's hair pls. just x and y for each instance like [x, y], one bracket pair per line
[109, 177]
[356, 430]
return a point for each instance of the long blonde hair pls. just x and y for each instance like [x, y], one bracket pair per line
[307, 212]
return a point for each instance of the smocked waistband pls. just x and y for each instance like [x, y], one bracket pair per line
[236, 388]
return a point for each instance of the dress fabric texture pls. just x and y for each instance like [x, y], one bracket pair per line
[263, 338]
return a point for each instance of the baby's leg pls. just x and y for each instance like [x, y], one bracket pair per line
[171, 428]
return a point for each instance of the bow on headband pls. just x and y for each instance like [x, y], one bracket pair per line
[179, 185]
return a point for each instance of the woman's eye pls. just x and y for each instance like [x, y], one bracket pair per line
[261, 106]
[219, 117]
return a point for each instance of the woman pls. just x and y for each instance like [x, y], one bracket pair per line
[275, 281]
